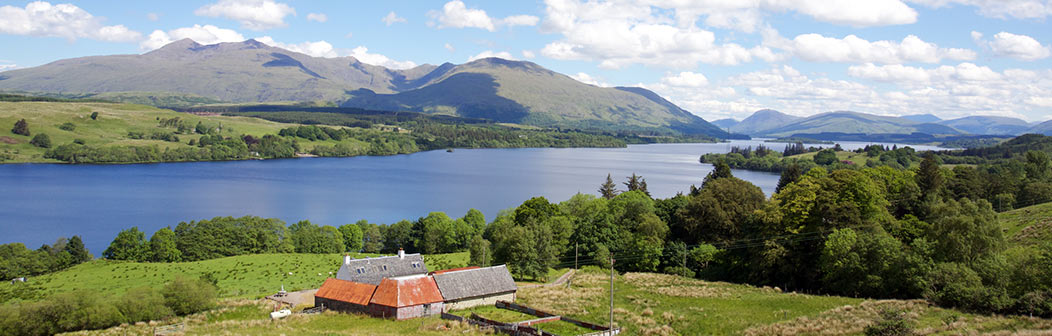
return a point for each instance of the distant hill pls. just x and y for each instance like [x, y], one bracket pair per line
[1042, 128]
[857, 123]
[186, 73]
[989, 125]
[725, 123]
[922, 118]
[524, 92]
[763, 120]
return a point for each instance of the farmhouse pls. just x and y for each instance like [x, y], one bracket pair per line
[471, 287]
[373, 270]
[406, 297]
[343, 295]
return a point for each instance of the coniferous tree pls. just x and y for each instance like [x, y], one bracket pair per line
[608, 190]
[637, 183]
[929, 179]
[721, 170]
[76, 248]
[21, 128]
[791, 174]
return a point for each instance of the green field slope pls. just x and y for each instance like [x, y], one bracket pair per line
[854, 122]
[112, 126]
[1028, 226]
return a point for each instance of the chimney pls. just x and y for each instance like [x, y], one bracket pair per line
[346, 258]
[401, 253]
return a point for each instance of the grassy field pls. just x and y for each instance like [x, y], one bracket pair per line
[112, 127]
[248, 276]
[1029, 225]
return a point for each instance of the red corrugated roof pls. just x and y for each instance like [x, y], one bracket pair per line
[404, 292]
[346, 291]
[454, 270]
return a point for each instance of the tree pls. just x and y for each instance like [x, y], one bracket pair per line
[1037, 165]
[21, 128]
[435, 234]
[791, 174]
[637, 183]
[476, 220]
[965, 231]
[76, 248]
[130, 244]
[825, 157]
[399, 236]
[352, 237]
[310, 238]
[41, 140]
[929, 178]
[372, 238]
[717, 213]
[163, 248]
[480, 251]
[720, 170]
[608, 190]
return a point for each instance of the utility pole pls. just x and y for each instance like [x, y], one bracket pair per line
[611, 292]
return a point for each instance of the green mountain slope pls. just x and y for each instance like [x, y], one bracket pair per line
[923, 118]
[524, 92]
[854, 122]
[763, 120]
[1042, 128]
[725, 123]
[988, 125]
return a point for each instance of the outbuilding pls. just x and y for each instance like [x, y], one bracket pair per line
[406, 297]
[471, 287]
[344, 296]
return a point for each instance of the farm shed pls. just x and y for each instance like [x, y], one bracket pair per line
[345, 296]
[406, 297]
[372, 270]
[466, 288]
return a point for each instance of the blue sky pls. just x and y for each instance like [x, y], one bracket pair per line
[716, 58]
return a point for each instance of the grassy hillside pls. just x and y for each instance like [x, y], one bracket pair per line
[645, 304]
[1028, 226]
[988, 125]
[763, 120]
[114, 123]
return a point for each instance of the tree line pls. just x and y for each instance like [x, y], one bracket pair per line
[17, 261]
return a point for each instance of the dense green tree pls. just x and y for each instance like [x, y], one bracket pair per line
[476, 220]
[1037, 165]
[929, 178]
[76, 249]
[608, 189]
[480, 251]
[163, 247]
[143, 304]
[21, 128]
[435, 234]
[791, 174]
[717, 213]
[719, 170]
[130, 244]
[965, 231]
[372, 238]
[310, 238]
[399, 236]
[826, 157]
[352, 237]
[861, 263]
[228, 236]
[41, 140]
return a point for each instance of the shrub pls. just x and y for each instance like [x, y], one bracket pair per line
[143, 304]
[78, 141]
[891, 323]
[68, 126]
[41, 140]
[21, 128]
[680, 271]
[187, 296]
[94, 116]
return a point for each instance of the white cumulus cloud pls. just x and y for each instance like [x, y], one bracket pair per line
[1019, 47]
[252, 14]
[1002, 9]
[686, 79]
[588, 79]
[41, 18]
[392, 18]
[315, 48]
[455, 14]
[319, 17]
[207, 34]
[853, 49]
[363, 55]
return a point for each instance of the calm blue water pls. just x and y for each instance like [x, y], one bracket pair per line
[41, 202]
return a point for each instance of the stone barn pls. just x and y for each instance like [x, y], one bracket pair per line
[406, 297]
[344, 296]
[373, 270]
[471, 287]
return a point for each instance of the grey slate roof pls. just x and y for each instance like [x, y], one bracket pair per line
[372, 270]
[475, 282]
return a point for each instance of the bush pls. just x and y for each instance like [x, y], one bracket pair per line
[143, 304]
[94, 116]
[68, 126]
[187, 296]
[680, 271]
[41, 140]
[21, 128]
[891, 323]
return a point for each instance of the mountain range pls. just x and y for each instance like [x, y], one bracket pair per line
[770, 123]
[253, 72]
